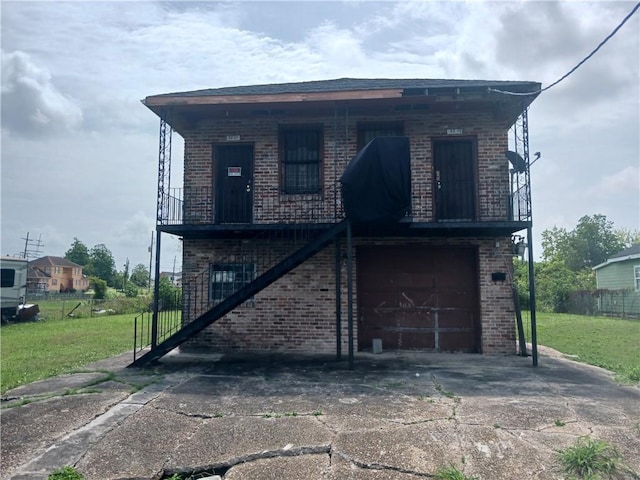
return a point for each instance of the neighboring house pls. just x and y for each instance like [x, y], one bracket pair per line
[621, 271]
[174, 277]
[55, 274]
[261, 214]
[618, 283]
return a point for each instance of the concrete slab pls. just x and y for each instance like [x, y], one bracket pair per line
[56, 385]
[28, 430]
[139, 447]
[395, 416]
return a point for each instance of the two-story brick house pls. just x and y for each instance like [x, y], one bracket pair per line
[269, 261]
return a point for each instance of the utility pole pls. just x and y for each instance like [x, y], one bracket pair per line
[125, 274]
[32, 247]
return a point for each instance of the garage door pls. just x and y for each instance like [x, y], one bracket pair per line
[418, 298]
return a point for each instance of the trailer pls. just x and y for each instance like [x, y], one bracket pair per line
[13, 283]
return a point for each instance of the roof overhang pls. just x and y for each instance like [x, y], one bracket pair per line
[184, 111]
[635, 256]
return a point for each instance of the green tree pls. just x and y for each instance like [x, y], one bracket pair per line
[521, 280]
[589, 244]
[554, 283]
[99, 287]
[140, 276]
[628, 237]
[102, 264]
[78, 253]
[169, 295]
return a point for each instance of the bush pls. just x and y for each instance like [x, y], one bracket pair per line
[169, 295]
[130, 290]
[99, 287]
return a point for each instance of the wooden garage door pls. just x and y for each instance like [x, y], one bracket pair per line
[418, 298]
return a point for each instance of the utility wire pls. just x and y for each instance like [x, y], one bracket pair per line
[608, 37]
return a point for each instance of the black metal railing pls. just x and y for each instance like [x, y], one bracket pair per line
[230, 273]
[169, 321]
[196, 206]
[223, 277]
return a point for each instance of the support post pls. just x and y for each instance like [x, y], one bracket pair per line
[532, 300]
[338, 301]
[350, 292]
[156, 295]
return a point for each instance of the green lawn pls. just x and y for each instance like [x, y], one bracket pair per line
[35, 350]
[611, 343]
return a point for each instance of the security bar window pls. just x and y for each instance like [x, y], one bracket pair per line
[229, 278]
[301, 151]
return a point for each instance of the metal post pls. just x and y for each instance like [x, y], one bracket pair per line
[350, 292]
[532, 300]
[338, 301]
[150, 259]
[156, 295]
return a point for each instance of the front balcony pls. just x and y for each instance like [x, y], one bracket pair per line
[198, 212]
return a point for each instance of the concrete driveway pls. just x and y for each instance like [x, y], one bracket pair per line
[275, 416]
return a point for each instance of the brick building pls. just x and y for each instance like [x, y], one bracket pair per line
[269, 260]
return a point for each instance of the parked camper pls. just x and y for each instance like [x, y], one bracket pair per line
[14, 285]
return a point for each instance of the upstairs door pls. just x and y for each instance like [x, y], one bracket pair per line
[234, 184]
[454, 180]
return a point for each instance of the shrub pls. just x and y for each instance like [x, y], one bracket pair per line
[99, 287]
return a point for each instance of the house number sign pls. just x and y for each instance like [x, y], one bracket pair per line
[234, 171]
[454, 131]
[232, 138]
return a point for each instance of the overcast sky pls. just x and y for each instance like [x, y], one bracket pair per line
[79, 150]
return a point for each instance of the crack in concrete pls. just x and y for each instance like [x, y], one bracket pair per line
[381, 466]
[420, 422]
[221, 468]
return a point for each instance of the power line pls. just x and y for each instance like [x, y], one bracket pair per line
[600, 45]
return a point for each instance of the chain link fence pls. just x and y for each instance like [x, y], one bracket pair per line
[607, 303]
[79, 306]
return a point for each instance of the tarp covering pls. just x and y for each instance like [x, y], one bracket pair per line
[376, 185]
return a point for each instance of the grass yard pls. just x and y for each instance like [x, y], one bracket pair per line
[611, 343]
[35, 350]
[32, 351]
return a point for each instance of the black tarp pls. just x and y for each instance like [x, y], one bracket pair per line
[376, 185]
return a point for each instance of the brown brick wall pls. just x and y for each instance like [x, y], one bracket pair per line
[298, 311]
[339, 147]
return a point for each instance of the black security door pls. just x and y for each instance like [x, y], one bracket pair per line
[234, 183]
[454, 180]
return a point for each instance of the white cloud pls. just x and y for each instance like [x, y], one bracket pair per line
[80, 68]
[622, 182]
[31, 103]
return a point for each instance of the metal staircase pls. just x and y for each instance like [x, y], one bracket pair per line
[205, 308]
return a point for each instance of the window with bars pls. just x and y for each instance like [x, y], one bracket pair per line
[301, 153]
[369, 131]
[228, 278]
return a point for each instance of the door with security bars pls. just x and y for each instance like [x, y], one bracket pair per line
[455, 186]
[233, 183]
